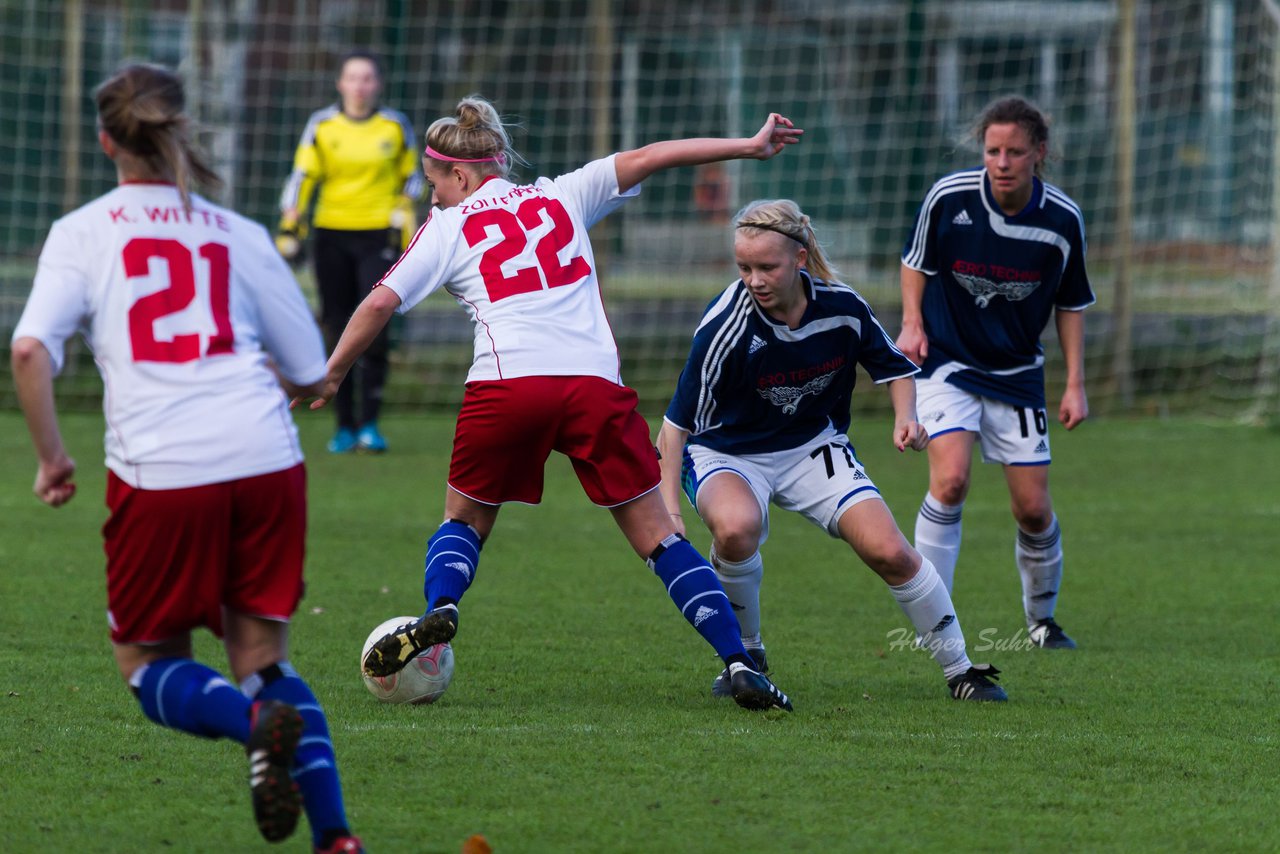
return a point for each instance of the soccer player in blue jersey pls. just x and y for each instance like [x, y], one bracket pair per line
[761, 415]
[995, 251]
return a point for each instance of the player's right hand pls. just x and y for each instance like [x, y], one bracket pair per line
[777, 133]
[289, 245]
[321, 393]
[289, 236]
[54, 485]
[296, 392]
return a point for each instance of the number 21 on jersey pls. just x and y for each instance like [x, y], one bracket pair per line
[514, 228]
[141, 256]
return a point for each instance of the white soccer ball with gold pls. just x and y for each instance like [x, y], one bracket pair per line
[424, 679]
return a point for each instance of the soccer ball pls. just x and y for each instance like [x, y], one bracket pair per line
[423, 680]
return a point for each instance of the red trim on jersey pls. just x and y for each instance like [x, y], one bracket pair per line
[493, 345]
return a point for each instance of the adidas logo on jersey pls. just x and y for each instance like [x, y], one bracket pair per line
[962, 218]
[461, 567]
[703, 613]
[1042, 448]
[756, 343]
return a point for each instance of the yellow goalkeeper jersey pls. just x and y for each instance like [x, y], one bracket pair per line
[358, 170]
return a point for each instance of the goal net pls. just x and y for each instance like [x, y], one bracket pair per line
[1166, 131]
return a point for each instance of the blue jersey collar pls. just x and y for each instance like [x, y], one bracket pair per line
[1034, 203]
[810, 292]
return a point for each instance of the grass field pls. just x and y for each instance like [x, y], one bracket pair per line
[580, 720]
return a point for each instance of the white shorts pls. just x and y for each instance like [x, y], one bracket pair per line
[1007, 434]
[819, 480]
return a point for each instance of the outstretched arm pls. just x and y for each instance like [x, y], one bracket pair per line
[1075, 404]
[369, 318]
[33, 376]
[636, 165]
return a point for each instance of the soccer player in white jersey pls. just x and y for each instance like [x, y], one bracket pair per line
[761, 415]
[545, 376]
[195, 323]
[995, 251]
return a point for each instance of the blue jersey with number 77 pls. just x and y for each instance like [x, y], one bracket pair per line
[753, 385]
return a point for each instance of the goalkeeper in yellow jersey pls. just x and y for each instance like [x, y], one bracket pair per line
[358, 163]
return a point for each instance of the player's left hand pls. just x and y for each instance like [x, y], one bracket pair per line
[910, 434]
[1074, 408]
[777, 133]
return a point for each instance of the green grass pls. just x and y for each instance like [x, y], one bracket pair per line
[580, 719]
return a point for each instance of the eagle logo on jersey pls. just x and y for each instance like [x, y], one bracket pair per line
[789, 396]
[984, 290]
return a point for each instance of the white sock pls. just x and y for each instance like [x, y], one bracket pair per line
[938, 536]
[741, 582]
[927, 604]
[1039, 559]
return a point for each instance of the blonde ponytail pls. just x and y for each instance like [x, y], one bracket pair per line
[141, 109]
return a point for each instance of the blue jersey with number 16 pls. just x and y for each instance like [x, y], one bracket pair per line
[993, 280]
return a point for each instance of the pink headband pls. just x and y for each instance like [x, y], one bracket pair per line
[435, 155]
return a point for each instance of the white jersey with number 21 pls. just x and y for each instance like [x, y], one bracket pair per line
[517, 257]
[180, 310]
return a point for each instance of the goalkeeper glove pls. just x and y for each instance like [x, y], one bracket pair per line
[403, 222]
[289, 246]
[289, 241]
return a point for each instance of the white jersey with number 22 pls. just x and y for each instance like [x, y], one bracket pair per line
[518, 258]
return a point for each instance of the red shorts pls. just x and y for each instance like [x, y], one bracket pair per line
[176, 557]
[508, 428]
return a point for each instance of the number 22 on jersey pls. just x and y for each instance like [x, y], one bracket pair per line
[139, 256]
[514, 228]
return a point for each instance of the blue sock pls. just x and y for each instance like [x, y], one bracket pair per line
[186, 695]
[315, 768]
[453, 553]
[693, 586]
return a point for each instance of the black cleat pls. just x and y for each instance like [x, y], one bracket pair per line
[1047, 634]
[721, 688]
[753, 690]
[391, 653]
[977, 684]
[275, 728]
